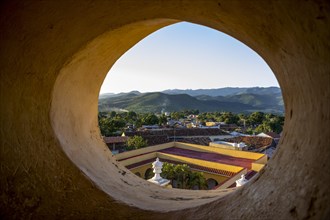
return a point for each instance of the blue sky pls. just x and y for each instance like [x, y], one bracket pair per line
[187, 56]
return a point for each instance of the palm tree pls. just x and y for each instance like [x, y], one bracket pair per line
[182, 177]
[197, 180]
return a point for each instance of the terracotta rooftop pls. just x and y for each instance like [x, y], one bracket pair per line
[180, 132]
[114, 140]
[220, 158]
[254, 142]
[204, 141]
[192, 166]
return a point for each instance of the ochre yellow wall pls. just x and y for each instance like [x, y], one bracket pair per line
[184, 160]
[143, 150]
[138, 159]
[203, 163]
[262, 160]
[220, 179]
[234, 153]
[141, 169]
[232, 180]
[257, 167]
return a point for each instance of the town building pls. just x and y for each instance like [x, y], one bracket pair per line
[116, 143]
[221, 167]
[229, 145]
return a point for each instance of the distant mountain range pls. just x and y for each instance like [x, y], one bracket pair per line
[226, 91]
[237, 100]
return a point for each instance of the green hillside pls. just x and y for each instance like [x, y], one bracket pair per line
[227, 91]
[266, 102]
[157, 102]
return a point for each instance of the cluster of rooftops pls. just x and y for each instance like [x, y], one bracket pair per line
[225, 166]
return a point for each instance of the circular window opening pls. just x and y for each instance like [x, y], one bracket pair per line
[188, 94]
[75, 99]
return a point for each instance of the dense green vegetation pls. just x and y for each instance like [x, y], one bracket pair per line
[255, 122]
[136, 142]
[182, 177]
[113, 123]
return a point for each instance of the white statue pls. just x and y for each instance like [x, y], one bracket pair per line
[157, 179]
[157, 166]
[241, 181]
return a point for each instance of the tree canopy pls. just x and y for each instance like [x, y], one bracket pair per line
[182, 177]
[113, 123]
[136, 142]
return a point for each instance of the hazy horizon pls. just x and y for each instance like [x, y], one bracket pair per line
[187, 56]
[243, 87]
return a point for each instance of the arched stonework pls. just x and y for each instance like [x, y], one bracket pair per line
[148, 172]
[211, 183]
[54, 57]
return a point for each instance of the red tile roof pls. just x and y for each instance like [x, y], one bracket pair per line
[192, 166]
[218, 158]
[255, 142]
[179, 132]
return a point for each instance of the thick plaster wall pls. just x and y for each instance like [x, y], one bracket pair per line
[54, 56]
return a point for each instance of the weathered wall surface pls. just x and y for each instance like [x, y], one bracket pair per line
[54, 57]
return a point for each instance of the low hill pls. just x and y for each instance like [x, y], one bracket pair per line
[226, 91]
[158, 101]
[270, 103]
